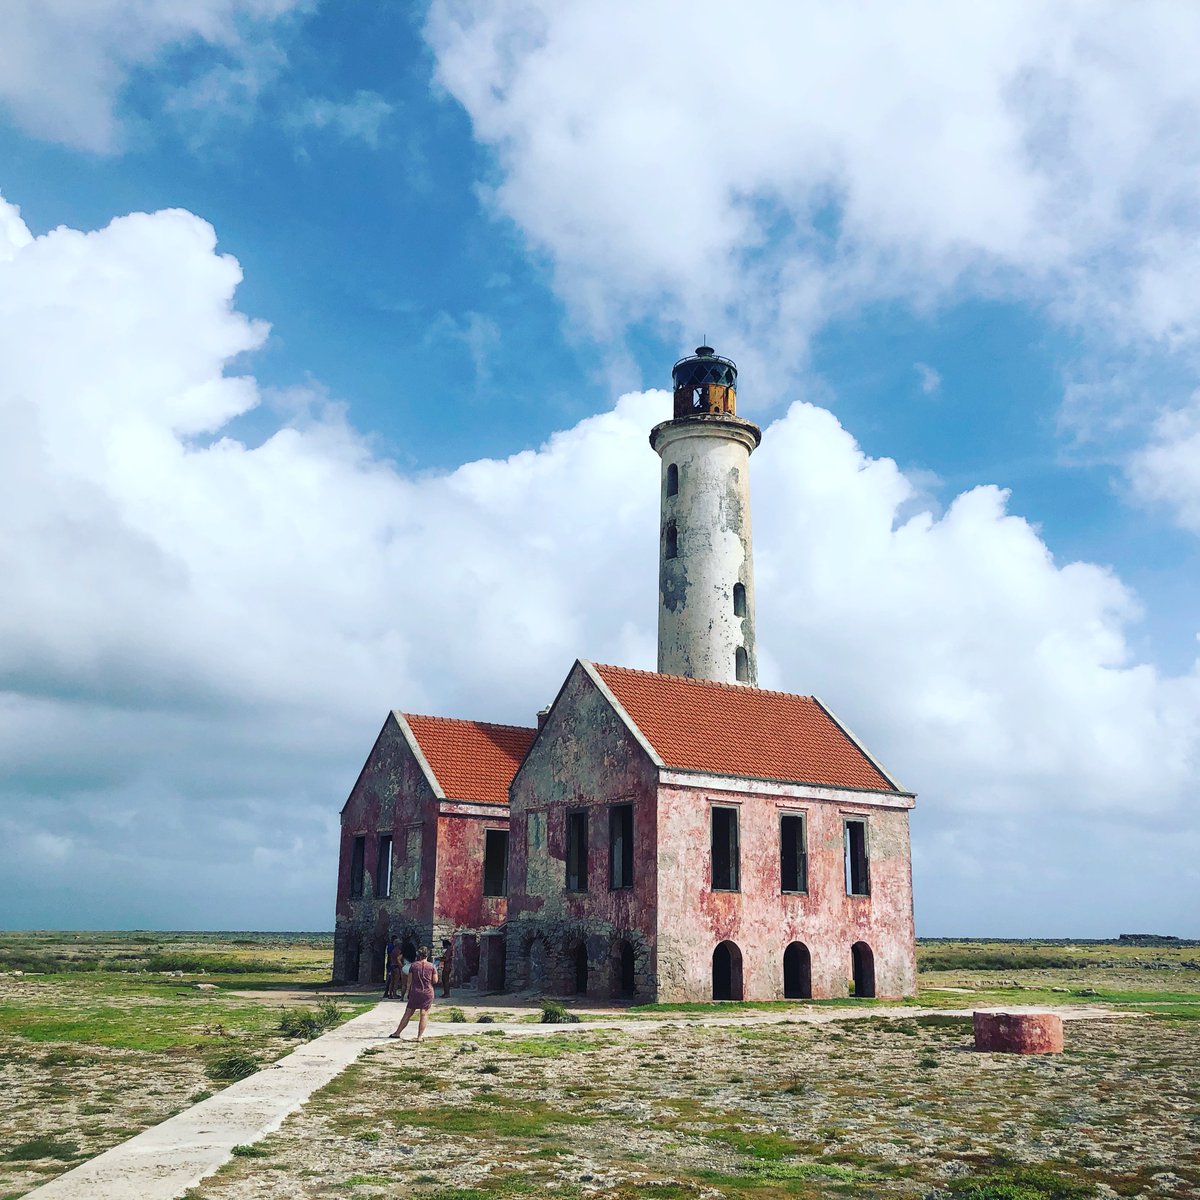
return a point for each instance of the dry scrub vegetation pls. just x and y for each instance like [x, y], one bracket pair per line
[871, 1107]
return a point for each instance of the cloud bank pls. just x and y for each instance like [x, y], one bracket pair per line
[199, 636]
[757, 171]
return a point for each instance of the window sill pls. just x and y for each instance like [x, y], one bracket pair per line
[793, 892]
[727, 891]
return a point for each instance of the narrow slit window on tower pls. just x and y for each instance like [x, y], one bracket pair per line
[793, 854]
[739, 600]
[620, 847]
[577, 851]
[724, 849]
[672, 480]
[672, 538]
[858, 868]
[495, 862]
[383, 867]
[358, 853]
[741, 665]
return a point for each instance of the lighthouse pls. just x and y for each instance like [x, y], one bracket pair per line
[706, 559]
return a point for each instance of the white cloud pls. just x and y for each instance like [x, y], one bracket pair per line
[928, 379]
[202, 637]
[1167, 470]
[65, 63]
[359, 119]
[757, 171]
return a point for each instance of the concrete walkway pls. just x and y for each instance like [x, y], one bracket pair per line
[162, 1162]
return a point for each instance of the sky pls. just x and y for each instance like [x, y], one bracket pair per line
[331, 335]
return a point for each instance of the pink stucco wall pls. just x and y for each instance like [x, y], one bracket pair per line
[759, 919]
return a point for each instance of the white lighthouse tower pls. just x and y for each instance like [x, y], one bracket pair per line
[706, 561]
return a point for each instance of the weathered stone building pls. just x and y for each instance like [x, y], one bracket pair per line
[675, 835]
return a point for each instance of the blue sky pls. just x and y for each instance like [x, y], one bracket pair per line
[963, 242]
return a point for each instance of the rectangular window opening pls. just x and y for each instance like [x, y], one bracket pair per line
[495, 862]
[724, 849]
[577, 851]
[620, 846]
[858, 874]
[793, 854]
[383, 867]
[358, 854]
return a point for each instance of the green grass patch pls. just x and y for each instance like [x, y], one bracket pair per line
[231, 1066]
[1019, 1183]
[39, 1148]
[499, 1117]
[247, 1151]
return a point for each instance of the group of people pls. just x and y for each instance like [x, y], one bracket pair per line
[411, 975]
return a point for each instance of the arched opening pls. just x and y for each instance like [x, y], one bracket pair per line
[581, 969]
[672, 480]
[536, 972]
[727, 972]
[797, 972]
[672, 541]
[624, 982]
[353, 959]
[741, 665]
[862, 962]
[739, 600]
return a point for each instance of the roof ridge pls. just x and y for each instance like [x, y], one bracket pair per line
[742, 689]
[468, 721]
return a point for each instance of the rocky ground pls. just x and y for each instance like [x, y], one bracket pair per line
[882, 1106]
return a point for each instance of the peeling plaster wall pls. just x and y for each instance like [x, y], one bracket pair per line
[760, 919]
[583, 758]
[391, 796]
[459, 903]
[698, 631]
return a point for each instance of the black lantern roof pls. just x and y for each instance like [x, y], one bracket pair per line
[704, 367]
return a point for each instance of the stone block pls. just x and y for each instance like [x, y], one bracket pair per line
[1018, 1033]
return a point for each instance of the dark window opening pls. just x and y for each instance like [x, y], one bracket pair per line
[358, 853]
[741, 665]
[672, 480]
[793, 855]
[672, 537]
[727, 972]
[724, 850]
[577, 851]
[495, 862]
[383, 867]
[862, 963]
[620, 846]
[739, 600]
[353, 960]
[858, 874]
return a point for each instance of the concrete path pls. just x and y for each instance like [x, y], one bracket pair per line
[162, 1162]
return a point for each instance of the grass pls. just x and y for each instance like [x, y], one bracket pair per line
[231, 1066]
[42, 1147]
[1019, 1183]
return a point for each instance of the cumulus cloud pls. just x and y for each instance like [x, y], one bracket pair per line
[199, 636]
[1167, 470]
[65, 63]
[928, 379]
[760, 170]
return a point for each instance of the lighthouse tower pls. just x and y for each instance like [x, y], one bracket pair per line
[706, 562]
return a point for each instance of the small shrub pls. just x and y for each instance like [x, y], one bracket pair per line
[246, 1151]
[309, 1022]
[233, 1065]
[1019, 1183]
[490, 1068]
[369, 1135]
[554, 1013]
[485, 1019]
[42, 1147]
[455, 1016]
[196, 1097]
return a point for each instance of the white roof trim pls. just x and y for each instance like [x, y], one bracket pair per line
[419, 754]
[866, 753]
[619, 709]
[800, 792]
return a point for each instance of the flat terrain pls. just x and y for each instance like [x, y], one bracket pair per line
[881, 1105]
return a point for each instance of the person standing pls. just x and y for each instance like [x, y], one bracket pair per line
[422, 975]
[393, 969]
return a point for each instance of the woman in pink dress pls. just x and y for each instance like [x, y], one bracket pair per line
[422, 975]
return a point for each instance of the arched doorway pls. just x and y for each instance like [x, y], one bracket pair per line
[581, 968]
[727, 972]
[797, 972]
[536, 971]
[624, 980]
[862, 962]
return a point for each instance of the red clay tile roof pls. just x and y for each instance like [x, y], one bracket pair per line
[471, 759]
[730, 729]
